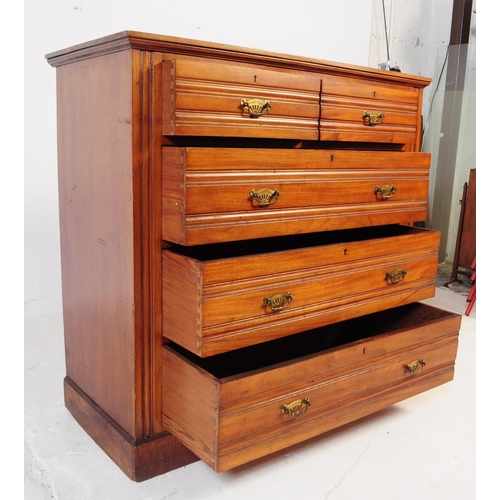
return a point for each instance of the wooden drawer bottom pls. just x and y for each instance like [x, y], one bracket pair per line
[235, 407]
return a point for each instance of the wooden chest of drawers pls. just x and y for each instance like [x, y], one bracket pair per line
[220, 207]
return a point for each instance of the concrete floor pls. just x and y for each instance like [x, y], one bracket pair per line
[424, 447]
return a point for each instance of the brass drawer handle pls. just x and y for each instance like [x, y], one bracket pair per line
[373, 118]
[385, 191]
[296, 408]
[265, 196]
[279, 301]
[396, 275]
[256, 107]
[415, 366]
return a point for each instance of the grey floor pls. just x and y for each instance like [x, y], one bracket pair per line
[424, 447]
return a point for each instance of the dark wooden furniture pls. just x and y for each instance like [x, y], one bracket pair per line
[465, 244]
[240, 271]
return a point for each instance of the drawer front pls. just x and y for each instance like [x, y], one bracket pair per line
[215, 195]
[203, 98]
[240, 416]
[220, 304]
[366, 111]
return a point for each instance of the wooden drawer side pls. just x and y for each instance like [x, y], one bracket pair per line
[182, 300]
[196, 426]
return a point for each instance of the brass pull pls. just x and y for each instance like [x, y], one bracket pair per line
[256, 107]
[265, 196]
[415, 366]
[279, 301]
[296, 408]
[373, 118]
[385, 191]
[396, 275]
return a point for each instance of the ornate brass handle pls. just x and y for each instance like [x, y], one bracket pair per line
[415, 366]
[385, 191]
[279, 301]
[256, 107]
[265, 196]
[296, 408]
[396, 275]
[373, 118]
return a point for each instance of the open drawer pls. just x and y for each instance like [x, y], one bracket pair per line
[218, 298]
[212, 195]
[235, 407]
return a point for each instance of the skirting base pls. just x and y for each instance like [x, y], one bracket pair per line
[139, 460]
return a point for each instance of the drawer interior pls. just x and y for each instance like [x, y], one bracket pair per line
[233, 249]
[311, 342]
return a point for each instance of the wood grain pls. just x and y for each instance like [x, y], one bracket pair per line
[244, 420]
[215, 303]
[206, 191]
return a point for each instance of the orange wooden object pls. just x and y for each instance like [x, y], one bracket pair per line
[226, 199]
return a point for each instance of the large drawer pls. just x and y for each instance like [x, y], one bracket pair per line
[239, 406]
[203, 98]
[366, 111]
[218, 298]
[224, 194]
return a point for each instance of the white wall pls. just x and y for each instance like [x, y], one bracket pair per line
[333, 30]
[416, 29]
[324, 29]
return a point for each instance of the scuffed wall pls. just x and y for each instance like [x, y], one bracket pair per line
[416, 29]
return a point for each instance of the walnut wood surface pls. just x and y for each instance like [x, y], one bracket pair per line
[139, 460]
[149, 126]
[232, 420]
[206, 191]
[343, 101]
[110, 236]
[126, 40]
[215, 305]
[97, 232]
[204, 98]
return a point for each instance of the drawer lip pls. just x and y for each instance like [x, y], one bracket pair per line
[214, 303]
[234, 398]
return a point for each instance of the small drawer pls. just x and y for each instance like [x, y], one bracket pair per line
[218, 298]
[366, 111]
[236, 407]
[223, 194]
[203, 98]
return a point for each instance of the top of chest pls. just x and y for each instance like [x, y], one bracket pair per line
[218, 90]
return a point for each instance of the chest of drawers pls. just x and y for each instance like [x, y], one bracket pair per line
[239, 263]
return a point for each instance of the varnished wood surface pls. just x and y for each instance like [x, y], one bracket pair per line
[96, 199]
[241, 416]
[206, 191]
[187, 47]
[131, 109]
[344, 100]
[139, 460]
[215, 303]
[111, 236]
[204, 99]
